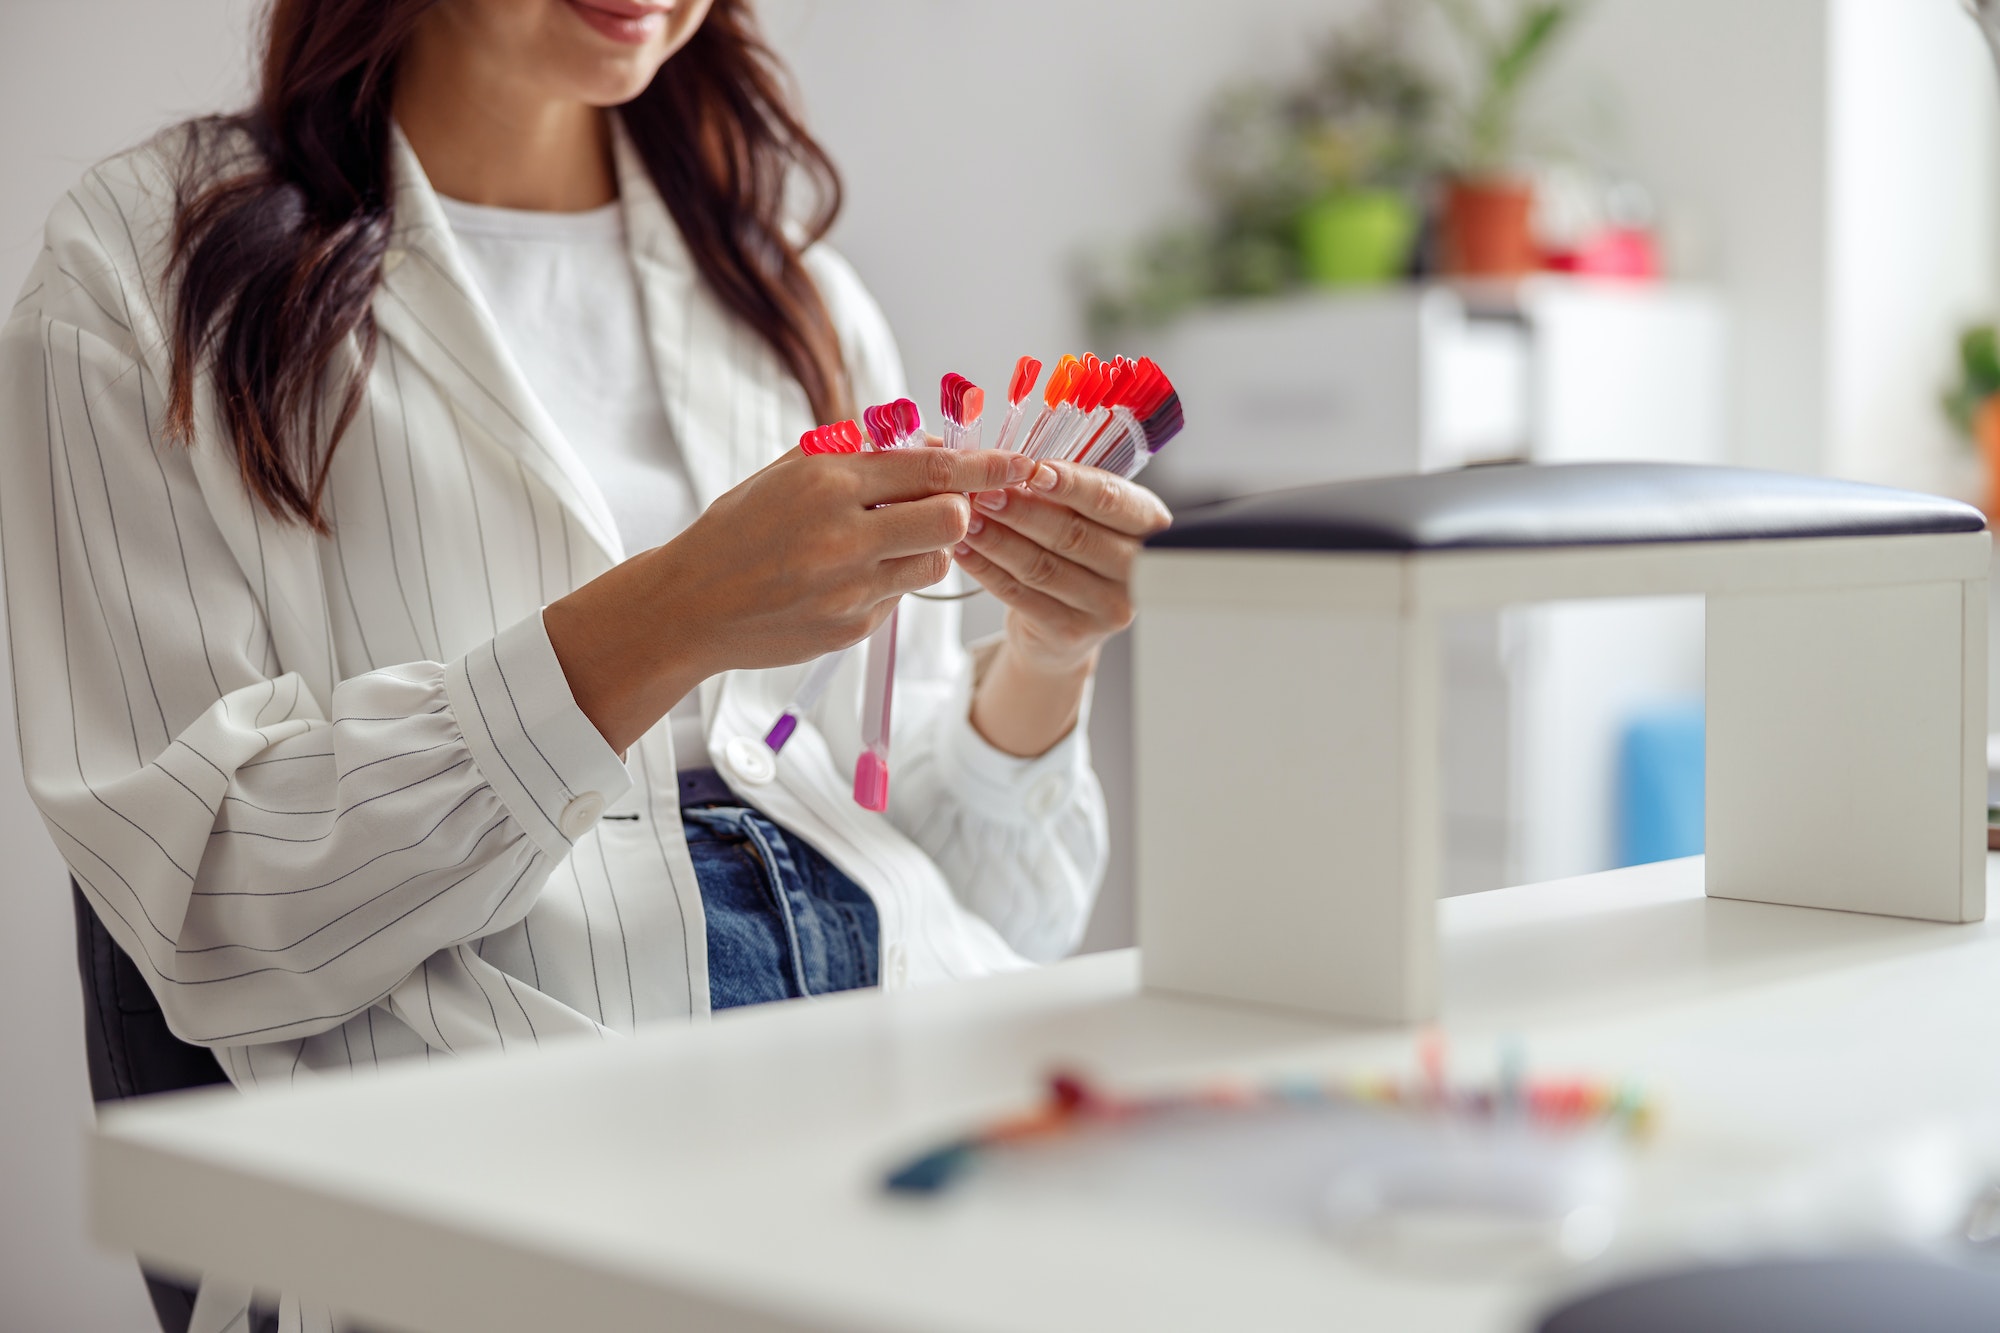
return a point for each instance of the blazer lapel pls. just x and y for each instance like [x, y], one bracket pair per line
[730, 403]
[429, 303]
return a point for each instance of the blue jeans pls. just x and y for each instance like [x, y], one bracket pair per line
[783, 922]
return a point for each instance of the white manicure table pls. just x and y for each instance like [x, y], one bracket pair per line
[725, 1177]
[1825, 1078]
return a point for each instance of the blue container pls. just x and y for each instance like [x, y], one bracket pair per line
[1661, 759]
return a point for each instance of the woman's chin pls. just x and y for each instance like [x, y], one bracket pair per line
[610, 86]
[588, 73]
[607, 73]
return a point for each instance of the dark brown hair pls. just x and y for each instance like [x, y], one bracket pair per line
[277, 251]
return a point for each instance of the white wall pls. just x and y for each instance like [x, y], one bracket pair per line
[1831, 165]
[77, 82]
[1913, 231]
[1719, 107]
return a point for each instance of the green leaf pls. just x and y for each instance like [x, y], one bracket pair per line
[1533, 35]
[1959, 408]
[1978, 378]
[1979, 355]
[1506, 57]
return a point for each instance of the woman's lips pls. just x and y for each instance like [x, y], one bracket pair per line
[622, 20]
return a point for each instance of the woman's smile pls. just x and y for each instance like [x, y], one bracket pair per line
[633, 22]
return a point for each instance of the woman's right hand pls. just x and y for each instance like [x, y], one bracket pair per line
[802, 558]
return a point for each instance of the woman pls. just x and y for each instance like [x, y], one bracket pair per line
[399, 497]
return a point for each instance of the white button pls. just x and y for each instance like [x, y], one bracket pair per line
[751, 761]
[390, 259]
[581, 814]
[895, 967]
[1046, 795]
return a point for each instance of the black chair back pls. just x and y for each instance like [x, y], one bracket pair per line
[132, 1053]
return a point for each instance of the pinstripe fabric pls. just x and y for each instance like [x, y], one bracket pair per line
[324, 790]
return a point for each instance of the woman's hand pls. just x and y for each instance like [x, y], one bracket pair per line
[1059, 553]
[796, 561]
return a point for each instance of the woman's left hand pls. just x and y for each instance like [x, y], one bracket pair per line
[1058, 551]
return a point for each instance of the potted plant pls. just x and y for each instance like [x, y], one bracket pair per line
[1486, 225]
[1306, 183]
[1364, 128]
[1973, 403]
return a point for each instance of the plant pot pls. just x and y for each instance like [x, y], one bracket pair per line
[1488, 228]
[1986, 430]
[1356, 238]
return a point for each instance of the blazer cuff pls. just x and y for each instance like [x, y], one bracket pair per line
[1007, 787]
[547, 761]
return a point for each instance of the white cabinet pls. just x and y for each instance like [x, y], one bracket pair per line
[1402, 379]
[1332, 387]
[1286, 393]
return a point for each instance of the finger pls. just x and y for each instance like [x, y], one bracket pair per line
[934, 523]
[1099, 549]
[912, 474]
[870, 620]
[1102, 496]
[1043, 570]
[1062, 620]
[911, 572]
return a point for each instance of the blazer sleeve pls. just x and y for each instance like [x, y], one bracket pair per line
[275, 862]
[1023, 842]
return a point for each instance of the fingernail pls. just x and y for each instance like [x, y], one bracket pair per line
[993, 500]
[973, 525]
[1044, 479]
[962, 549]
[1019, 468]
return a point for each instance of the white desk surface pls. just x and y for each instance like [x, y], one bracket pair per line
[727, 1177]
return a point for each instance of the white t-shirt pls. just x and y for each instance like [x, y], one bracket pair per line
[561, 287]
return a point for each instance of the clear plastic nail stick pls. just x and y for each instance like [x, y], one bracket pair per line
[897, 425]
[878, 692]
[1026, 371]
[961, 402]
[810, 691]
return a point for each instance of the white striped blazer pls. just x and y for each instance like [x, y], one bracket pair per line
[333, 794]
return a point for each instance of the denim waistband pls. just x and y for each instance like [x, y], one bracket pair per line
[704, 786]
